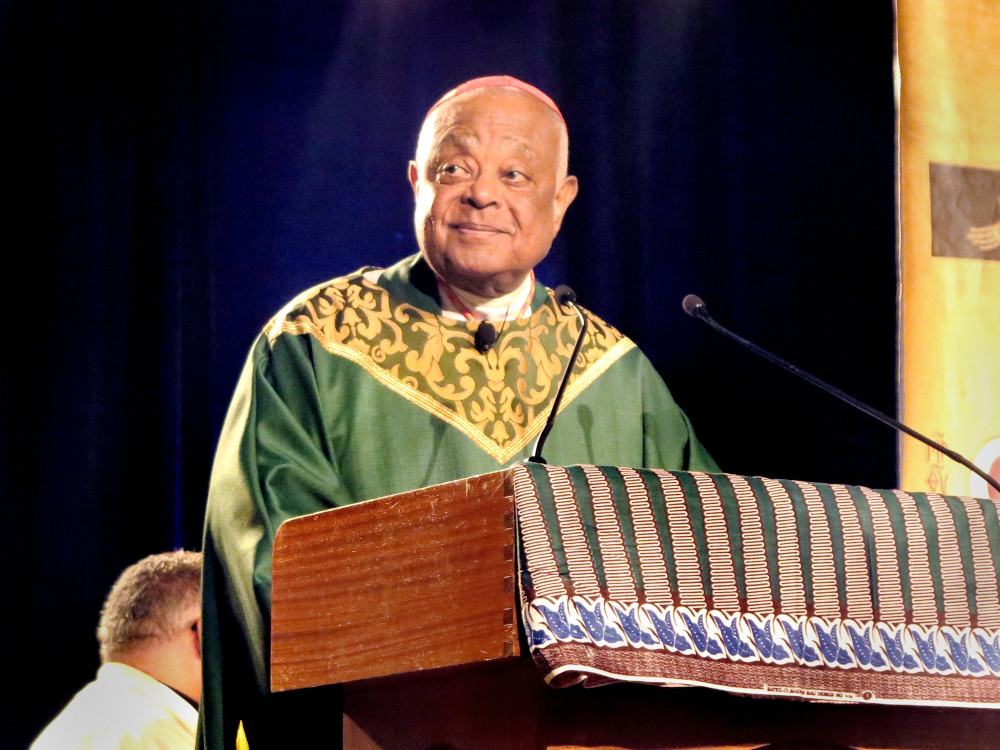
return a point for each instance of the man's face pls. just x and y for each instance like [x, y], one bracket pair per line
[490, 187]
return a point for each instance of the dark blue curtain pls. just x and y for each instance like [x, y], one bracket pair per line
[176, 171]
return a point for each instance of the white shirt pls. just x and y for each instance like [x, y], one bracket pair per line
[508, 307]
[122, 709]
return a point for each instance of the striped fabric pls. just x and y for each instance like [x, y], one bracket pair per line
[760, 586]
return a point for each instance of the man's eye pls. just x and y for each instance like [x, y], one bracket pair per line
[516, 176]
[451, 171]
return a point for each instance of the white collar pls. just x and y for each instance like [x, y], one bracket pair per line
[506, 307]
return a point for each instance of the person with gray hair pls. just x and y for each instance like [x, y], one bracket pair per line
[148, 687]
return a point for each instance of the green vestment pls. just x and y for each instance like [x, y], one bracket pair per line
[357, 390]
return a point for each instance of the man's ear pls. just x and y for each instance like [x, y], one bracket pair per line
[564, 196]
[414, 176]
[197, 636]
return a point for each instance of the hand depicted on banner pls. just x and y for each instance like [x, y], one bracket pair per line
[985, 238]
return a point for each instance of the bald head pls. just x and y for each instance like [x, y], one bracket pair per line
[445, 107]
[491, 186]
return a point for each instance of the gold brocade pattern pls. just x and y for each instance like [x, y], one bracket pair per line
[500, 399]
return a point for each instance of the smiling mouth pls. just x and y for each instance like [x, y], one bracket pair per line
[477, 229]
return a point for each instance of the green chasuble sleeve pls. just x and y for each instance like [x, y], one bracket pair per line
[361, 388]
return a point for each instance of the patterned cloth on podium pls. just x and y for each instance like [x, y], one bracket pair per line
[759, 586]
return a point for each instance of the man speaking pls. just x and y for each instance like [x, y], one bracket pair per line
[442, 366]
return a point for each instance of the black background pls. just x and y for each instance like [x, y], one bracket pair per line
[176, 171]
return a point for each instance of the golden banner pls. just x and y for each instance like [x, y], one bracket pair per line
[948, 125]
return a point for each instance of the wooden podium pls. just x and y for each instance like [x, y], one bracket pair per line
[410, 601]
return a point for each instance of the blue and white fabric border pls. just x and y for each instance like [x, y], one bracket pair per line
[744, 637]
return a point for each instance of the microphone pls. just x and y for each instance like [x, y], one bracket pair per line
[695, 307]
[486, 337]
[565, 297]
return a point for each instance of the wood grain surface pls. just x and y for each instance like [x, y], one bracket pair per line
[507, 706]
[413, 581]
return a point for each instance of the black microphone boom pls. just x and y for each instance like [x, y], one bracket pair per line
[565, 297]
[695, 307]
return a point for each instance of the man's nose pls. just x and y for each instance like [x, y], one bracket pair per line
[483, 191]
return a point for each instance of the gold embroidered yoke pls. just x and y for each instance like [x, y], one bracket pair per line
[500, 400]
